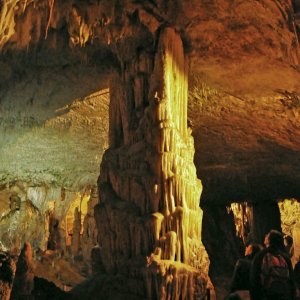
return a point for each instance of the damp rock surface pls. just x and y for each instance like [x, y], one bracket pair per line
[243, 110]
[244, 91]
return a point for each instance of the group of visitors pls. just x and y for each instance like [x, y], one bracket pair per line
[267, 273]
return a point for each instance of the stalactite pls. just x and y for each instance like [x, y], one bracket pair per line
[51, 5]
[7, 22]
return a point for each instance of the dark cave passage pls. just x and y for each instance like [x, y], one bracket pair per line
[227, 230]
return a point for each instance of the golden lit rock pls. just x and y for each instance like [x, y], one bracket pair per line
[243, 113]
[154, 155]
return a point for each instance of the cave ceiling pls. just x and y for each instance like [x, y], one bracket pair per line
[244, 105]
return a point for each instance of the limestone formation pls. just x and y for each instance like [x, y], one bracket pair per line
[19, 222]
[148, 185]
[89, 234]
[24, 280]
[76, 232]
[244, 105]
[7, 274]
[40, 215]
[54, 239]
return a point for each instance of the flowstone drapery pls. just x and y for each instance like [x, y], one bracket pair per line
[149, 220]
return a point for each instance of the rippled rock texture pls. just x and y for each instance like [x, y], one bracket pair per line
[148, 185]
[57, 58]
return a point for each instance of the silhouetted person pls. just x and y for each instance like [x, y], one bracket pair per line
[241, 274]
[272, 276]
[23, 283]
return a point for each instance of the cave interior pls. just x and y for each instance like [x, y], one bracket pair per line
[118, 116]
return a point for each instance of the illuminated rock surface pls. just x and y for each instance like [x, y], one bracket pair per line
[148, 185]
[243, 109]
[240, 53]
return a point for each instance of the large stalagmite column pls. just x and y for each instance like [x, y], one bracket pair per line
[149, 220]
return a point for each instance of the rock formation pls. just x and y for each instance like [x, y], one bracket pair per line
[148, 185]
[7, 275]
[35, 214]
[76, 232]
[56, 58]
[24, 279]
[89, 238]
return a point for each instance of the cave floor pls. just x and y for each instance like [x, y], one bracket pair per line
[59, 270]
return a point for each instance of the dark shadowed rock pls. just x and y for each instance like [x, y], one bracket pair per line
[7, 273]
[46, 290]
[23, 283]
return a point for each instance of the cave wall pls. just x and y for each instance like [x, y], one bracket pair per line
[52, 109]
[53, 131]
[25, 215]
[263, 60]
[245, 113]
[210, 25]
